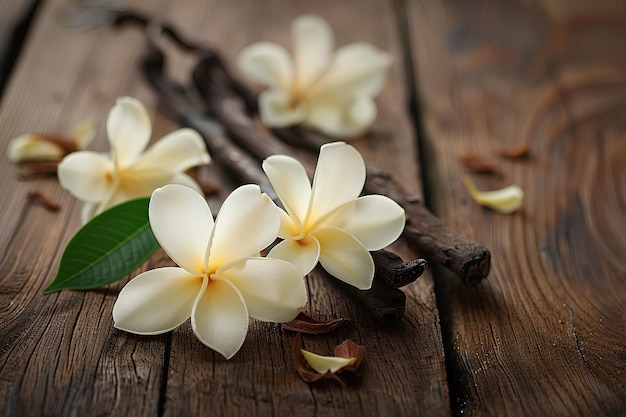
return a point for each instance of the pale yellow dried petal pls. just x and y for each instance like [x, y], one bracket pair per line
[506, 200]
[30, 147]
[323, 364]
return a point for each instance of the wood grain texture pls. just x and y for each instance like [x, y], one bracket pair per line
[60, 355]
[545, 334]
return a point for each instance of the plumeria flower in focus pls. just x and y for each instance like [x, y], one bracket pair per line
[331, 91]
[222, 280]
[32, 147]
[102, 180]
[329, 222]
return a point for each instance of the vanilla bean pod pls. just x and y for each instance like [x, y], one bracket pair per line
[469, 260]
[386, 303]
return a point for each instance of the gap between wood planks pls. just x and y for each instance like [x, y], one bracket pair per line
[415, 115]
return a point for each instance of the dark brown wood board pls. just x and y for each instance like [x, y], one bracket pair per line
[60, 354]
[545, 334]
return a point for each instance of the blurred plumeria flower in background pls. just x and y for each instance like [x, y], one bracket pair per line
[32, 147]
[103, 180]
[329, 222]
[222, 280]
[331, 91]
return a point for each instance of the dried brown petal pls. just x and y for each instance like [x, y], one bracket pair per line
[349, 349]
[480, 164]
[521, 151]
[39, 168]
[67, 144]
[45, 201]
[308, 325]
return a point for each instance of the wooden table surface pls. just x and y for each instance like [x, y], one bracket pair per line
[543, 335]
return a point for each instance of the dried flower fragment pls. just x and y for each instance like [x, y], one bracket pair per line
[308, 325]
[102, 180]
[45, 201]
[328, 221]
[506, 200]
[32, 147]
[521, 151]
[221, 279]
[313, 367]
[480, 164]
[330, 91]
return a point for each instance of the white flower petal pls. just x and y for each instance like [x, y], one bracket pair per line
[323, 364]
[360, 114]
[181, 222]
[272, 289]
[303, 253]
[313, 45]
[175, 152]
[132, 184]
[247, 223]
[291, 182]
[87, 212]
[220, 317]
[277, 109]
[186, 180]
[30, 147]
[345, 258]
[142, 184]
[374, 220]
[268, 64]
[129, 129]
[156, 301]
[339, 178]
[87, 175]
[341, 119]
[506, 200]
[84, 133]
[288, 227]
[359, 69]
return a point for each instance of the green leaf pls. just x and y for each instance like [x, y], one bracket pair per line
[109, 247]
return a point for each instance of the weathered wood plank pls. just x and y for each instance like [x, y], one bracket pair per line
[545, 334]
[60, 354]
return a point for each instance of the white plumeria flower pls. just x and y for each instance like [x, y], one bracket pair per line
[42, 147]
[102, 180]
[222, 280]
[331, 91]
[329, 222]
